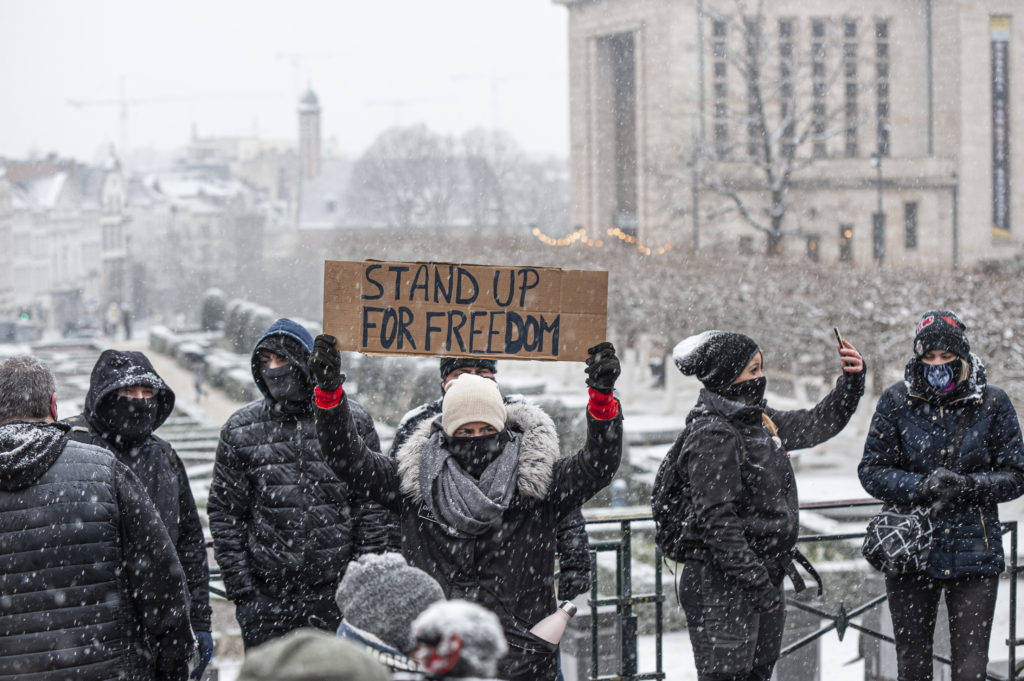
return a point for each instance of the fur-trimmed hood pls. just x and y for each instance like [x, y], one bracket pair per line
[538, 451]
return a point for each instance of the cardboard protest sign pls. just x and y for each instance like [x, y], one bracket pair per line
[417, 308]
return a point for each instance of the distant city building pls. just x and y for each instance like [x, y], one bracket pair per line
[923, 86]
[309, 135]
[66, 235]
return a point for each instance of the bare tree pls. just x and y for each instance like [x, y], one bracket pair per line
[781, 122]
[409, 176]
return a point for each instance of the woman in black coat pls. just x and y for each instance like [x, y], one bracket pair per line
[911, 458]
[740, 500]
[480, 491]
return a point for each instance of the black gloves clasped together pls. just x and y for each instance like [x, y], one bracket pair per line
[602, 368]
[942, 486]
[325, 363]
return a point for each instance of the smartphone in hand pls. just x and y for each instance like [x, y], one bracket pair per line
[839, 338]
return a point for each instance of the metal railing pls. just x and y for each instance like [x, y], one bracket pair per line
[840, 620]
[625, 600]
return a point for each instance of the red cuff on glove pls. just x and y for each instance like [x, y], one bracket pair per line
[602, 407]
[328, 400]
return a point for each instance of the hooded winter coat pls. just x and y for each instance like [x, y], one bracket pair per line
[745, 510]
[91, 587]
[154, 462]
[507, 570]
[283, 524]
[573, 546]
[910, 437]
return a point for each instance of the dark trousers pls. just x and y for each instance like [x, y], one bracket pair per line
[914, 604]
[731, 641]
[263, 618]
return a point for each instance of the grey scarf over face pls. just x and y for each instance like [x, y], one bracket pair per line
[459, 500]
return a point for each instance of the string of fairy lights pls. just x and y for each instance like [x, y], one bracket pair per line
[580, 235]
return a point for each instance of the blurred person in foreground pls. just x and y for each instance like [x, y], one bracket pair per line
[126, 402]
[91, 586]
[480, 491]
[458, 640]
[310, 655]
[944, 437]
[741, 499]
[379, 597]
[284, 525]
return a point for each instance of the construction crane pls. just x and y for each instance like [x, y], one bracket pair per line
[124, 103]
[298, 60]
[398, 105]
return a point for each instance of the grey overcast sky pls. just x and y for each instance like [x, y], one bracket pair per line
[235, 67]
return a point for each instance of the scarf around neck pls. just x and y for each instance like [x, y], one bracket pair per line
[468, 505]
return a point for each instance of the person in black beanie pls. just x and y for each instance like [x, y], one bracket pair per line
[944, 437]
[740, 499]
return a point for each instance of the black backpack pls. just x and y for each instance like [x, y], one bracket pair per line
[669, 499]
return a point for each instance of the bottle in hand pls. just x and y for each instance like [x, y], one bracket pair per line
[553, 626]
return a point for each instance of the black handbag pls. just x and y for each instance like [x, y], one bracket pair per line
[899, 538]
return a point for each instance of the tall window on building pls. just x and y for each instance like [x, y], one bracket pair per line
[720, 87]
[754, 39]
[845, 243]
[787, 101]
[850, 81]
[819, 87]
[624, 79]
[910, 224]
[882, 71]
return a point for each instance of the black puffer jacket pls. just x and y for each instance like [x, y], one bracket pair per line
[156, 465]
[282, 522]
[573, 545]
[746, 510]
[508, 570]
[90, 586]
[910, 437]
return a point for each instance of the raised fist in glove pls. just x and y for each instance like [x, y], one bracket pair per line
[602, 368]
[941, 484]
[325, 363]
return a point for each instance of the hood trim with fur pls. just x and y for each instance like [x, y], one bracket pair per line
[538, 451]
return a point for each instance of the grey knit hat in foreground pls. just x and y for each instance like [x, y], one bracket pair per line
[382, 594]
[311, 655]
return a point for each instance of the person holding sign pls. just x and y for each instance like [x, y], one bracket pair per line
[480, 491]
[573, 546]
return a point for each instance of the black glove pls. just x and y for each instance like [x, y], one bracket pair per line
[205, 641]
[602, 368]
[941, 484]
[769, 601]
[325, 363]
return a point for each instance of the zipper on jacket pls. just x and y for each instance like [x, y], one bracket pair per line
[984, 530]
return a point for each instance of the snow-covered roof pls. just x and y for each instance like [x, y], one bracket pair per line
[43, 192]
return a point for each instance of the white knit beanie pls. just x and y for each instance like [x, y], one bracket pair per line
[470, 399]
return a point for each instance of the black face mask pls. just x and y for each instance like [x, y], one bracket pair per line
[127, 420]
[288, 386]
[474, 453]
[749, 392]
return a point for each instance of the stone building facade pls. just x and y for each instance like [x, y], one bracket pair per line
[659, 102]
